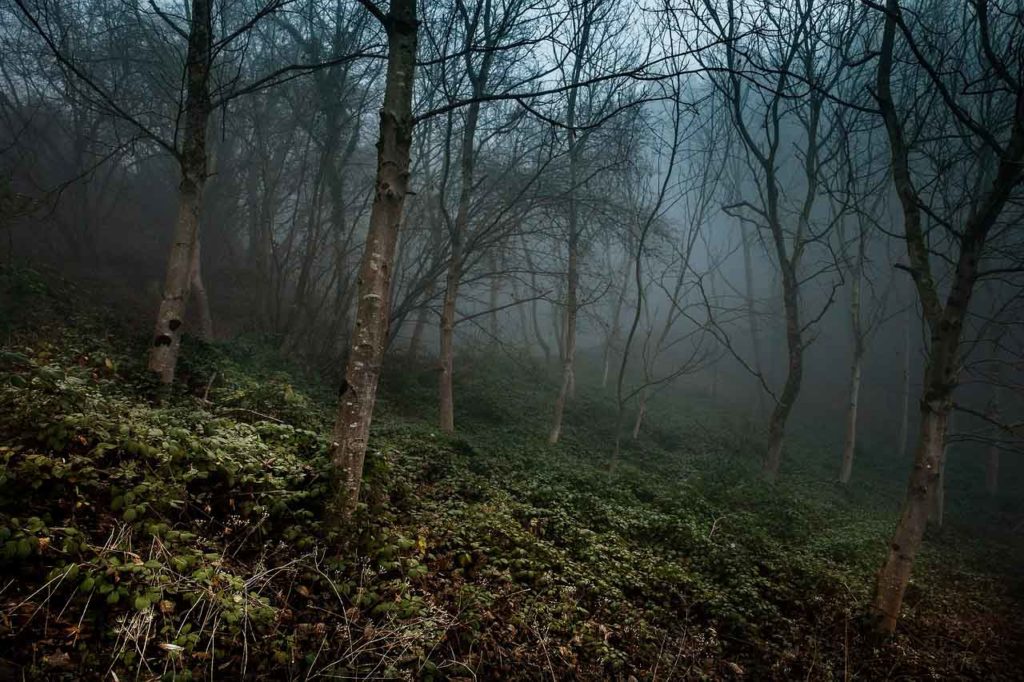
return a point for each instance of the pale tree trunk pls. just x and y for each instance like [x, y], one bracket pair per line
[202, 301]
[366, 350]
[163, 355]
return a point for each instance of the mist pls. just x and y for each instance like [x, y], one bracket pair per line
[511, 339]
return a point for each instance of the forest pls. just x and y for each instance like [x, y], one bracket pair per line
[511, 339]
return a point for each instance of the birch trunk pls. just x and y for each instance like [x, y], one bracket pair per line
[163, 355]
[366, 350]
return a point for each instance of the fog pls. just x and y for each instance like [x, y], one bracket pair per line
[801, 217]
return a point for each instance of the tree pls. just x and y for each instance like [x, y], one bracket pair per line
[940, 47]
[786, 51]
[366, 348]
[182, 263]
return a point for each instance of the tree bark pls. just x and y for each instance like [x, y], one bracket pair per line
[163, 355]
[366, 349]
[937, 514]
[895, 573]
[446, 398]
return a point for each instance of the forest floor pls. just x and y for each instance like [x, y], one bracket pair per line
[180, 538]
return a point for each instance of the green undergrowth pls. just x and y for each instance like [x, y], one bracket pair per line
[177, 535]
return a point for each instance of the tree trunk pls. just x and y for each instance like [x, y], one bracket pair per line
[446, 398]
[459, 232]
[938, 508]
[794, 376]
[366, 349]
[569, 355]
[895, 573]
[163, 355]
[568, 387]
[857, 329]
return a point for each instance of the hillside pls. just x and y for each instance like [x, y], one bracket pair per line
[177, 536]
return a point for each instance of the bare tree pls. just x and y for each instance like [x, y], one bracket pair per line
[366, 350]
[786, 47]
[927, 44]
